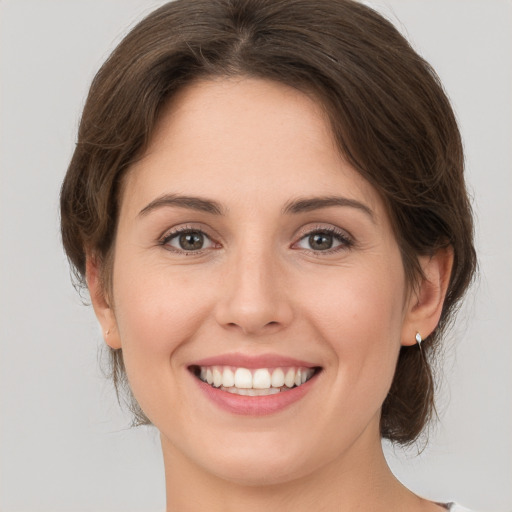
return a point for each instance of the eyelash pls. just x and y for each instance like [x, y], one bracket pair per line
[164, 241]
[346, 242]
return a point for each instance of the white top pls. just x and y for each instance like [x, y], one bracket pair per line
[453, 507]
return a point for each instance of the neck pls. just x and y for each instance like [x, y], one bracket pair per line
[359, 480]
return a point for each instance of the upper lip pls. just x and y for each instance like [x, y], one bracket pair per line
[253, 361]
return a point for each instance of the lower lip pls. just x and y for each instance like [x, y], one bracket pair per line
[255, 405]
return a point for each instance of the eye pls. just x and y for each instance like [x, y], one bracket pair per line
[327, 240]
[188, 240]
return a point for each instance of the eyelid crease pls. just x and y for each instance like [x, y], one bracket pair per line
[169, 234]
[347, 240]
[322, 228]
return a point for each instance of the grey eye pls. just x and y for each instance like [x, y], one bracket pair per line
[320, 241]
[190, 241]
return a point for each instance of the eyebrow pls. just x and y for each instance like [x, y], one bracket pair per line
[189, 202]
[296, 206]
[315, 203]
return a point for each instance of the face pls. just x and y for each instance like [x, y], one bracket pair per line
[251, 255]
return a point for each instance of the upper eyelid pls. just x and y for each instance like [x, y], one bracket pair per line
[172, 233]
[303, 232]
[176, 230]
[347, 241]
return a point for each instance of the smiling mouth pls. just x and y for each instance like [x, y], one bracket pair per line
[253, 382]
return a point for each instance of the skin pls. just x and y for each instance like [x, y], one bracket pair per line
[254, 146]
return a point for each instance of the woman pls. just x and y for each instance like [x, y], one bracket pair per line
[267, 205]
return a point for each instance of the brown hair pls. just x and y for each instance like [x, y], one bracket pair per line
[388, 112]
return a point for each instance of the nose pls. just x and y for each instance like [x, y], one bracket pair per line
[253, 297]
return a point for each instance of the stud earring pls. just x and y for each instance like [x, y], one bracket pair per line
[419, 339]
[107, 332]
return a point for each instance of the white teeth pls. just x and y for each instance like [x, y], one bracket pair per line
[251, 392]
[243, 378]
[289, 380]
[261, 381]
[228, 378]
[262, 392]
[217, 378]
[277, 378]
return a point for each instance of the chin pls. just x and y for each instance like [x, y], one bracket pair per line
[262, 472]
[258, 459]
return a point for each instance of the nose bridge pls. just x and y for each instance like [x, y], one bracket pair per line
[254, 298]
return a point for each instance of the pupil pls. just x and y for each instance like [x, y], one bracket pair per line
[320, 241]
[191, 241]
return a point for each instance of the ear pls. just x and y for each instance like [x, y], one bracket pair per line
[100, 303]
[425, 303]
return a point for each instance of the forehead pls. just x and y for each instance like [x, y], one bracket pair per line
[243, 139]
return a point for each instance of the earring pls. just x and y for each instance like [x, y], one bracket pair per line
[107, 332]
[419, 339]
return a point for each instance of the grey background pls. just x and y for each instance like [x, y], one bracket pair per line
[64, 444]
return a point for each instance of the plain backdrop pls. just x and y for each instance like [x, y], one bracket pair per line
[64, 443]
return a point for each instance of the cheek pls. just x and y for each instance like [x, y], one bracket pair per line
[360, 314]
[364, 304]
[157, 312]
